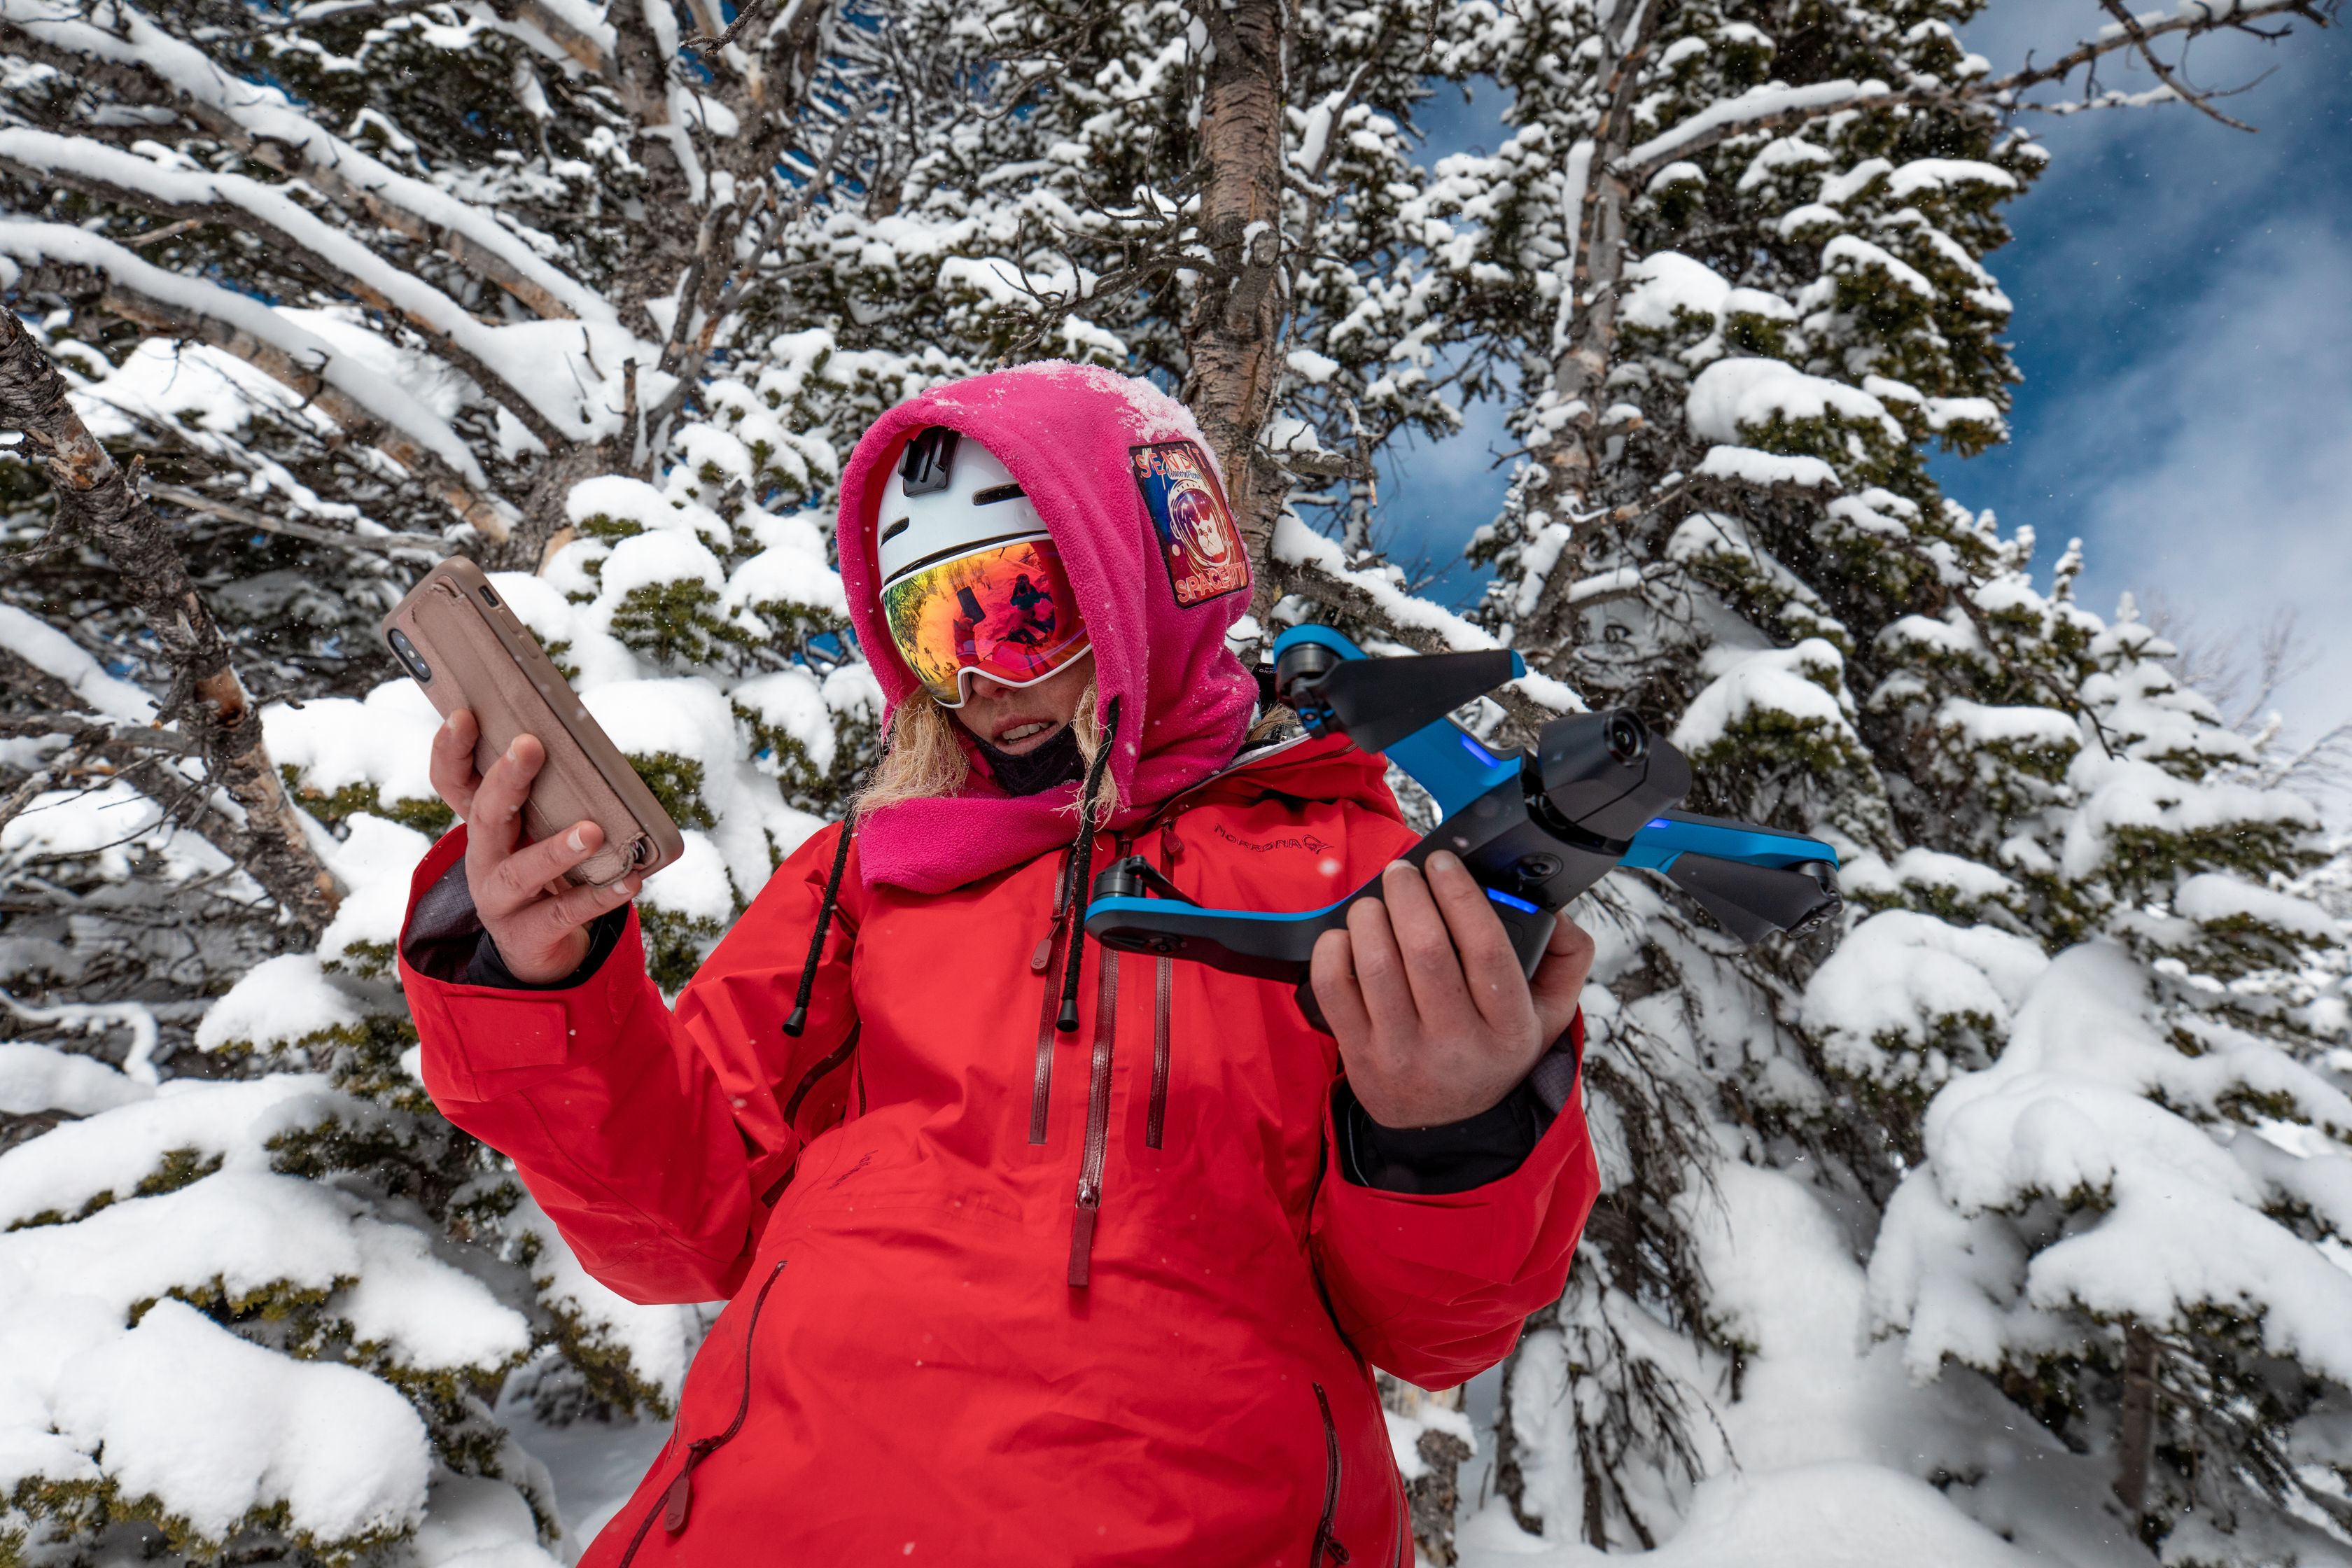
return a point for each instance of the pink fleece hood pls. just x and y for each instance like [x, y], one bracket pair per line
[1101, 456]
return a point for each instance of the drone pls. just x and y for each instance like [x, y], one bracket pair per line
[1536, 828]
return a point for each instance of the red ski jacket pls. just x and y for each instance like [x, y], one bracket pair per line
[1001, 1294]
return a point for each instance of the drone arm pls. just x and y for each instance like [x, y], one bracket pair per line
[1754, 881]
[1440, 756]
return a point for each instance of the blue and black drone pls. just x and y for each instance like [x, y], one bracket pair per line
[1536, 828]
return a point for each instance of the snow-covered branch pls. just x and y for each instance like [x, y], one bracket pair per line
[338, 259]
[370, 406]
[263, 122]
[1766, 108]
[428, 545]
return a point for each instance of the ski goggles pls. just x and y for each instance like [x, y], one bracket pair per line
[1005, 611]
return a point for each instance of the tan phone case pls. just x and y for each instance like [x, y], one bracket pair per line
[456, 638]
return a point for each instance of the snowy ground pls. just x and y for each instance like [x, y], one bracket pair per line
[594, 1465]
[1831, 1437]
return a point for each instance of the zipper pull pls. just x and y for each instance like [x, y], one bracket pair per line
[678, 1500]
[1039, 960]
[1082, 1233]
[1168, 844]
[1043, 956]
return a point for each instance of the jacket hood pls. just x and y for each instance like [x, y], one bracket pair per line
[1124, 482]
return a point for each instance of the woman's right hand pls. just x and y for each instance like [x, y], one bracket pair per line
[539, 920]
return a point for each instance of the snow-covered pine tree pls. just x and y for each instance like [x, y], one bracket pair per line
[1143, 185]
[2125, 1214]
[257, 1296]
[1740, 251]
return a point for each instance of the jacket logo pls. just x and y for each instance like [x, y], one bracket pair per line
[1199, 545]
[1306, 841]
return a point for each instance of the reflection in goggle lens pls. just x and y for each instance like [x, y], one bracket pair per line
[1005, 611]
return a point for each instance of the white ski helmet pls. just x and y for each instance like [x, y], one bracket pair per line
[947, 496]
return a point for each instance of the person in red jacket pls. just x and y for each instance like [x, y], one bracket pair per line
[1035, 1252]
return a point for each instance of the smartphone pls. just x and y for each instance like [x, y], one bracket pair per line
[459, 641]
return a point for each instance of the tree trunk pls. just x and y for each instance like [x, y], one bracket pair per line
[1435, 1496]
[99, 501]
[1581, 372]
[662, 242]
[2136, 1443]
[1236, 316]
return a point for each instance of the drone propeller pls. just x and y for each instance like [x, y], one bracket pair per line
[1376, 702]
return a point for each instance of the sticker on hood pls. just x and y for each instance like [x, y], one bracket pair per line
[1198, 542]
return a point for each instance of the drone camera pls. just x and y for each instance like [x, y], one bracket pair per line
[1627, 736]
[1595, 776]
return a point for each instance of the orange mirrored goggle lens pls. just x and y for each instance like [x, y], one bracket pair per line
[1005, 611]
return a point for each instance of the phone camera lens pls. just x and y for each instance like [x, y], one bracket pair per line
[1625, 737]
[411, 660]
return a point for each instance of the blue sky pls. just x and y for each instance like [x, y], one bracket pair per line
[2183, 298]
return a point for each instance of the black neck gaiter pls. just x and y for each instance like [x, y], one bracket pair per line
[1057, 761]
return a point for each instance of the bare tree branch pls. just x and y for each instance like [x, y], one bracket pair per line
[1769, 109]
[2164, 73]
[372, 543]
[745, 14]
[370, 408]
[736, 289]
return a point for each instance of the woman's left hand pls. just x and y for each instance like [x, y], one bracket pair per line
[1434, 1019]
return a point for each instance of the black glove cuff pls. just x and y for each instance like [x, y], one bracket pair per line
[487, 968]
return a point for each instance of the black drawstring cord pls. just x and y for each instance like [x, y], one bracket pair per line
[799, 1020]
[1081, 864]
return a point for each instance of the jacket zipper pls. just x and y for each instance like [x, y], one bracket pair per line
[677, 1500]
[1326, 1544]
[1155, 1119]
[832, 1059]
[1047, 961]
[1090, 1165]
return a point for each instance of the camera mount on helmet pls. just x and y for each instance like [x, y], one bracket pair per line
[1598, 790]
